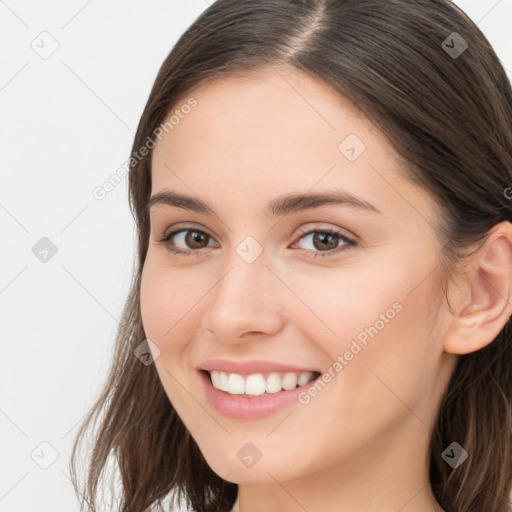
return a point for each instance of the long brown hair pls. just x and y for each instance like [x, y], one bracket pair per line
[444, 102]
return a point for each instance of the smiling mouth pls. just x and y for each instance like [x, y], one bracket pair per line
[259, 384]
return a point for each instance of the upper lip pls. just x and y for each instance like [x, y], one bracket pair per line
[249, 367]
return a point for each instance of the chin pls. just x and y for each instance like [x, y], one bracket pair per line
[232, 469]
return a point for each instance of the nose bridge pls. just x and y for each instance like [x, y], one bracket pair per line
[245, 299]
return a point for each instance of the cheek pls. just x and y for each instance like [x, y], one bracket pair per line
[389, 304]
[166, 303]
[152, 298]
[171, 302]
[391, 328]
[335, 305]
[164, 297]
[380, 321]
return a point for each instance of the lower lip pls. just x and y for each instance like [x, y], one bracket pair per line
[242, 407]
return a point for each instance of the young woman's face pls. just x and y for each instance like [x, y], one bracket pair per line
[249, 289]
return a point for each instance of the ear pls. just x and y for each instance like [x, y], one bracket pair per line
[484, 299]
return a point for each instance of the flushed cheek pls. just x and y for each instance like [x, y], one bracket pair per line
[335, 307]
[170, 309]
[378, 348]
[167, 306]
[366, 398]
[393, 373]
[166, 324]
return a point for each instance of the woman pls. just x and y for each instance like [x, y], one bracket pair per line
[319, 318]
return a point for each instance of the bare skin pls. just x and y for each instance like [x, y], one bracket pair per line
[361, 444]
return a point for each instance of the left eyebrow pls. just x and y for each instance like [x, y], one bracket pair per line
[283, 205]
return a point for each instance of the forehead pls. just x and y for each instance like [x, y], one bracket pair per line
[266, 114]
[273, 131]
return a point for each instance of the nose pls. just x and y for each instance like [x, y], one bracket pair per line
[245, 303]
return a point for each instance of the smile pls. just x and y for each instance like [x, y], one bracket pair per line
[245, 397]
[259, 384]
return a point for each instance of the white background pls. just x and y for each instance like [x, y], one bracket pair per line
[67, 123]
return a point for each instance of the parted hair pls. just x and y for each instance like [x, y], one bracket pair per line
[447, 110]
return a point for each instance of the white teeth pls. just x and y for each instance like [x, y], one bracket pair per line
[236, 384]
[273, 383]
[304, 378]
[223, 381]
[219, 380]
[290, 381]
[256, 384]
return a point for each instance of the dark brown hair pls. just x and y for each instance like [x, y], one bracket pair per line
[448, 115]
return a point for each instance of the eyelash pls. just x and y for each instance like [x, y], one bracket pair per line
[349, 243]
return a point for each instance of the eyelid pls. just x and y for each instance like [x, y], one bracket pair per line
[182, 226]
[349, 240]
[303, 230]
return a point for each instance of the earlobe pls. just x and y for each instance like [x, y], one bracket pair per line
[487, 307]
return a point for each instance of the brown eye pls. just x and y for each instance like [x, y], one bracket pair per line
[325, 242]
[191, 239]
[196, 239]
